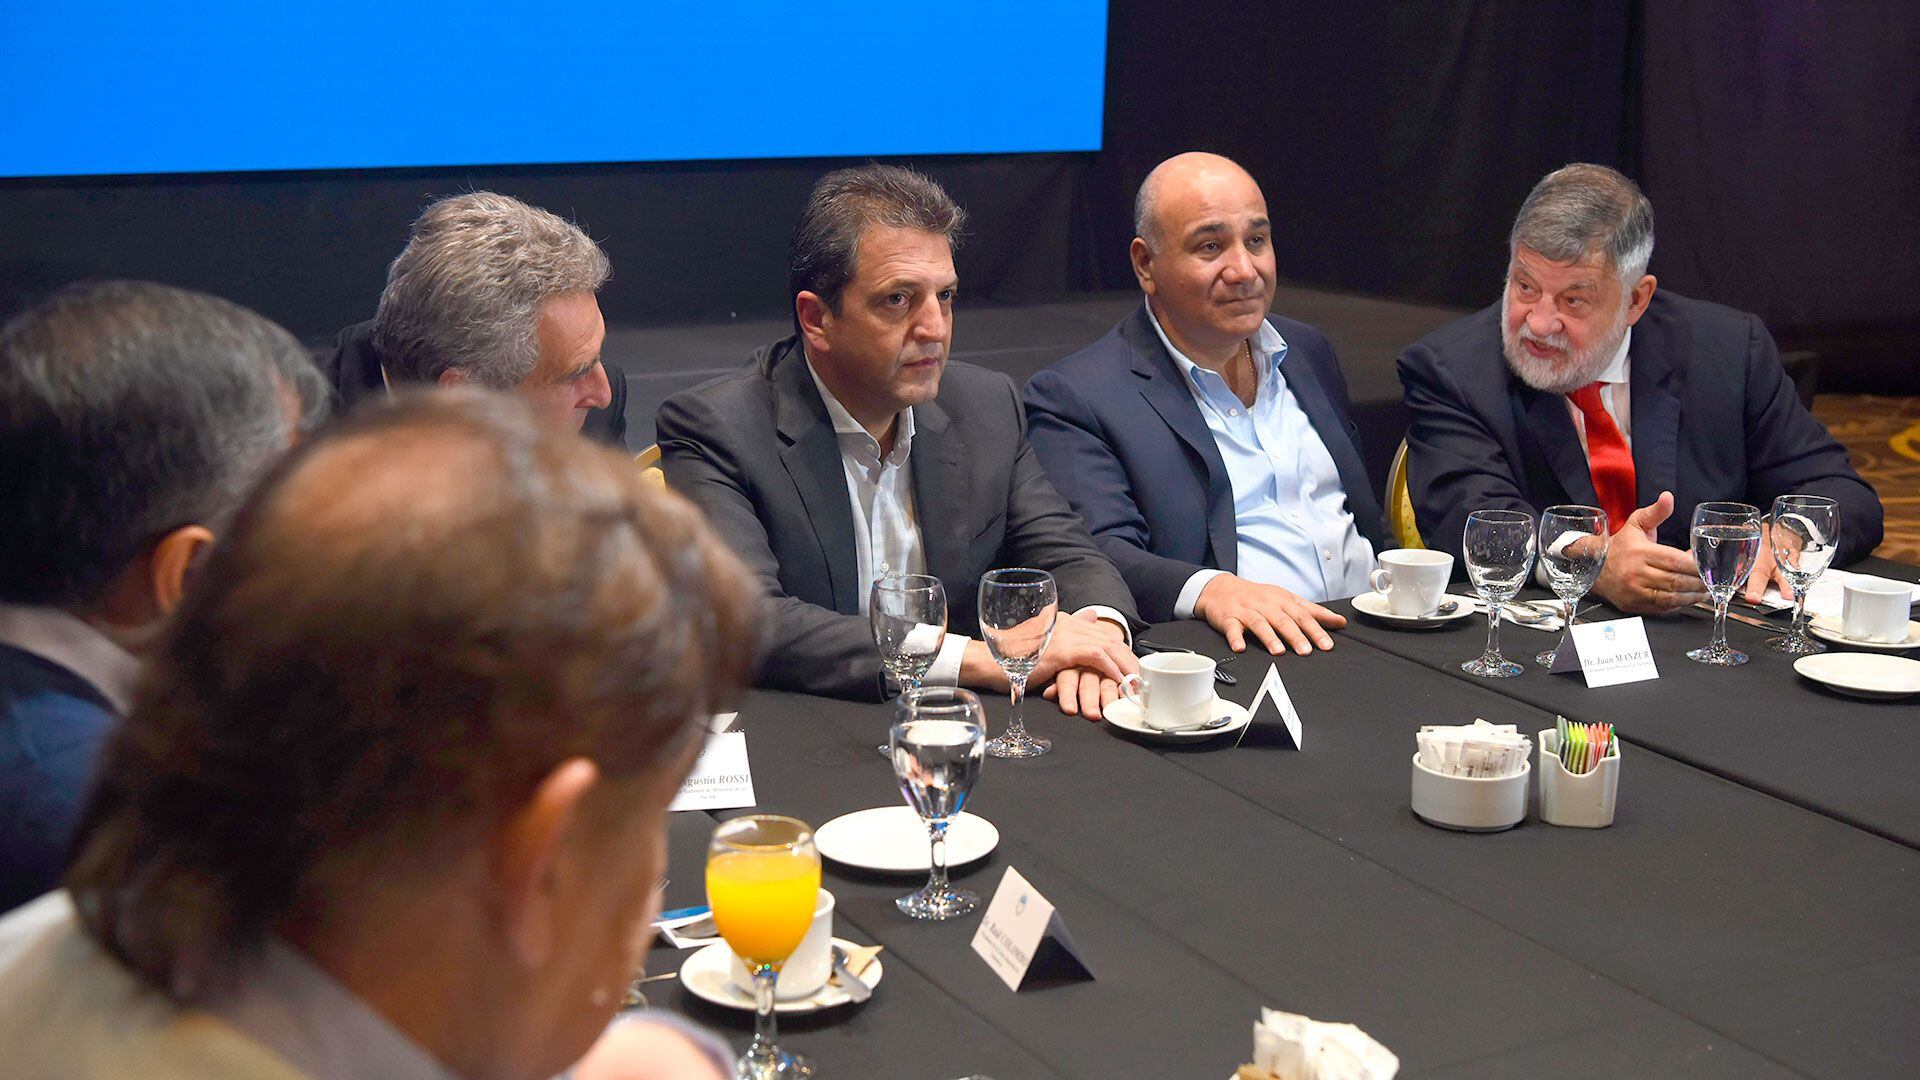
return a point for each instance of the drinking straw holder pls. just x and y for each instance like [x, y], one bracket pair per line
[1577, 800]
[1470, 803]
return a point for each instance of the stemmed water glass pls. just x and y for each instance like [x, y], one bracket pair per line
[1497, 547]
[1726, 543]
[1805, 530]
[938, 744]
[1573, 548]
[763, 881]
[908, 616]
[1018, 607]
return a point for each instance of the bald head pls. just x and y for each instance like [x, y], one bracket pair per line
[1179, 175]
[1204, 255]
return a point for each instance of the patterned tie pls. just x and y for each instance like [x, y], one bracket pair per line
[1608, 459]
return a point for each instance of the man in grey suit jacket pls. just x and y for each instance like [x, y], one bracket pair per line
[854, 449]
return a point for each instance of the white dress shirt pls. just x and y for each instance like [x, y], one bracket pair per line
[1290, 511]
[886, 524]
[54, 634]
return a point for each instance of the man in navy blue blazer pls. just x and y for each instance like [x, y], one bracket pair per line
[1585, 385]
[1206, 443]
[133, 417]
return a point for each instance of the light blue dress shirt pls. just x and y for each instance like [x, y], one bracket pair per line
[1289, 508]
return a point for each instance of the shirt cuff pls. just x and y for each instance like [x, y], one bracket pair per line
[946, 666]
[1190, 592]
[1112, 615]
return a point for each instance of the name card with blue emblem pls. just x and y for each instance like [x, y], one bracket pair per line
[1023, 938]
[1609, 653]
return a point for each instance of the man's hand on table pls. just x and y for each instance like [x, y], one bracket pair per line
[1643, 576]
[1236, 607]
[1081, 668]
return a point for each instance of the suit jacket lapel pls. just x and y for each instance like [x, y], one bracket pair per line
[940, 496]
[1166, 390]
[812, 459]
[1655, 413]
[1553, 431]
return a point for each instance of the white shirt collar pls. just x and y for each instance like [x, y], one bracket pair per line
[1267, 342]
[1616, 369]
[845, 424]
[65, 639]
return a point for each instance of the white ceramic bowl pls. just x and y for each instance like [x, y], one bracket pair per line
[1470, 803]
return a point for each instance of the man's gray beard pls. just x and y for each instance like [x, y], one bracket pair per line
[1560, 376]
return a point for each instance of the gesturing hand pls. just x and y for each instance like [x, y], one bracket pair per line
[1236, 607]
[1643, 576]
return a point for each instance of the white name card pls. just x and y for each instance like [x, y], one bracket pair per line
[721, 778]
[1020, 927]
[1275, 691]
[1614, 652]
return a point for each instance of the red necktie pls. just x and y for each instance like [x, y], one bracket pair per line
[1608, 459]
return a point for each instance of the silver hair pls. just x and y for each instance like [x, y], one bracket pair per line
[465, 293]
[1582, 210]
[1143, 207]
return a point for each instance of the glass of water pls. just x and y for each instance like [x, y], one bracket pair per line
[1805, 530]
[1018, 607]
[1573, 548]
[1497, 547]
[908, 615]
[1726, 543]
[938, 744]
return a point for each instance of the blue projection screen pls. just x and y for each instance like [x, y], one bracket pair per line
[113, 87]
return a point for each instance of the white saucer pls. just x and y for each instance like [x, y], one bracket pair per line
[1827, 628]
[1125, 715]
[1865, 675]
[893, 840]
[708, 975]
[1374, 605]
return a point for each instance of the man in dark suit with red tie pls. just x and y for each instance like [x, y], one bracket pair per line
[1586, 385]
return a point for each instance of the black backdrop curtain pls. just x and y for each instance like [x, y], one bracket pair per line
[1779, 140]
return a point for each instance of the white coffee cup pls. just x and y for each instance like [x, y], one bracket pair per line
[1173, 689]
[806, 971]
[1875, 609]
[1413, 579]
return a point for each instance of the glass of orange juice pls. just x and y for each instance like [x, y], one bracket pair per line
[763, 878]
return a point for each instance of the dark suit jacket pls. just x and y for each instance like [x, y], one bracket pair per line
[757, 451]
[1120, 435]
[1713, 416]
[353, 368]
[52, 723]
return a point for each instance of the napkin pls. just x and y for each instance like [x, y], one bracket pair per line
[1288, 1046]
[1827, 594]
[1477, 749]
[861, 957]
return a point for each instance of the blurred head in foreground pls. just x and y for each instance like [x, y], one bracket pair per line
[421, 723]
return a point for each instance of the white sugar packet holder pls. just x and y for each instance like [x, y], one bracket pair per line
[1288, 1046]
[1478, 749]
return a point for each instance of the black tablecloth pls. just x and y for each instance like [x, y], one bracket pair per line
[1760, 724]
[1727, 932]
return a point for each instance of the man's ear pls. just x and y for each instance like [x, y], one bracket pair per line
[172, 560]
[530, 863]
[452, 377]
[815, 318]
[1640, 297]
[1142, 257]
